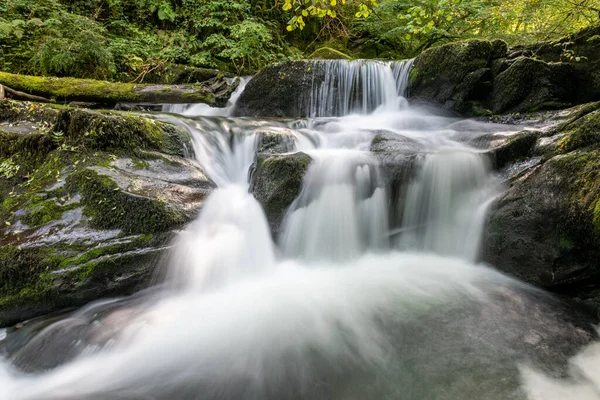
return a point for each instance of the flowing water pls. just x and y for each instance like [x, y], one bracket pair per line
[361, 294]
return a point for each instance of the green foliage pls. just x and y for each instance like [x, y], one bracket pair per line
[128, 39]
[73, 46]
[8, 169]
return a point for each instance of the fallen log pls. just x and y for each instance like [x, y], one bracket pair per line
[214, 92]
[5, 91]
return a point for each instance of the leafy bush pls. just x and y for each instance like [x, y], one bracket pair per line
[73, 46]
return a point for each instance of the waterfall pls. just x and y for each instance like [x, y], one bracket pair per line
[354, 299]
[446, 204]
[358, 86]
[341, 211]
[401, 71]
[206, 110]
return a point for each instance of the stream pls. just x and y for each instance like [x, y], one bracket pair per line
[359, 294]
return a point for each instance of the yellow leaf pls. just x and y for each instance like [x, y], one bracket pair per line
[333, 2]
[289, 28]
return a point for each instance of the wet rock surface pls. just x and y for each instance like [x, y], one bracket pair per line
[482, 77]
[277, 181]
[89, 203]
[545, 228]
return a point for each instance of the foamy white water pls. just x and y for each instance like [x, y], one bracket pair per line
[347, 303]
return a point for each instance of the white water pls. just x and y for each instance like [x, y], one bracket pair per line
[358, 87]
[205, 109]
[350, 304]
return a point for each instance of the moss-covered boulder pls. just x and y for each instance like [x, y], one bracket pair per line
[582, 51]
[327, 53]
[479, 77]
[455, 76]
[280, 90]
[277, 181]
[546, 228]
[529, 84]
[88, 204]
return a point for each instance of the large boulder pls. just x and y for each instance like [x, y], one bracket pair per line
[455, 76]
[582, 51]
[280, 90]
[89, 202]
[479, 77]
[529, 84]
[546, 228]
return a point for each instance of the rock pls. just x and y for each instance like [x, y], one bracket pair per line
[327, 53]
[582, 51]
[277, 181]
[276, 141]
[507, 149]
[546, 228]
[452, 75]
[280, 90]
[499, 49]
[91, 208]
[529, 84]
[471, 78]
[384, 141]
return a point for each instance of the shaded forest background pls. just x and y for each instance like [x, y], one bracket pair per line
[123, 40]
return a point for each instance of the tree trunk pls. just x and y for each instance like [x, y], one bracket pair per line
[214, 92]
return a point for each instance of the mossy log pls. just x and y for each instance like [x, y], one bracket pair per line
[215, 92]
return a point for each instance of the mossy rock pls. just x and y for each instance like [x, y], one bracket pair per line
[583, 55]
[514, 148]
[546, 228]
[92, 207]
[327, 53]
[71, 275]
[106, 130]
[450, 75]
[583, 132]
[277, 181]
[530, 85]
[280, 90]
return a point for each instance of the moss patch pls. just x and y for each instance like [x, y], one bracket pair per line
[110, 208]
[73, 89]
[583, 132]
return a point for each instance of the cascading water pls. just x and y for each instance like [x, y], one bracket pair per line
[354, 302]
[446, 205]
[342, 210]
[401, 71]
[355, 87]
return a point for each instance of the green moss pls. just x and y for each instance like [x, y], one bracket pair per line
[565, 244]
[49, 211]
[581, 133]
[63, 88]
[139, 164]
[120, 132]
[21, 267]
[582, 171]
[596, 217]
[110, 208]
